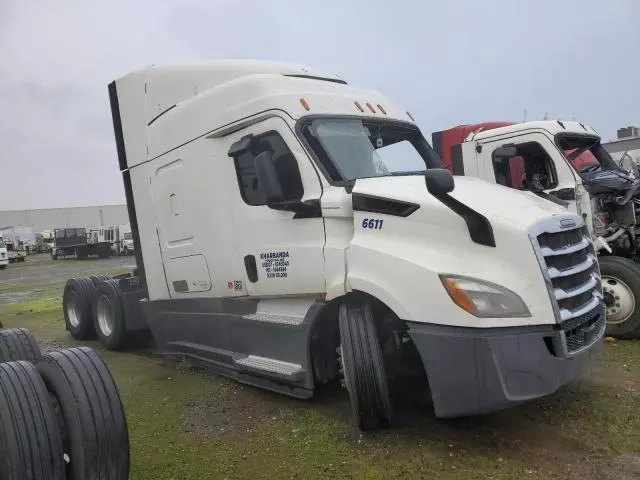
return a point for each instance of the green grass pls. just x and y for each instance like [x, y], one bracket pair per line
[582, 432]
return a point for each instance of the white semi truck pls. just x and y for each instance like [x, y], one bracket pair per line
[4, 255]
[565, 163]
[292, 227]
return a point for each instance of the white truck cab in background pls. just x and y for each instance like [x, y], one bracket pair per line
[4, 255]
[565, 163]
[291, 226]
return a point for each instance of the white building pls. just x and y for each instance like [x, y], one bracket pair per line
[50, 218]
[628, 142]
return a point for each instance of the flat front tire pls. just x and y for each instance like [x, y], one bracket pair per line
[364, 371]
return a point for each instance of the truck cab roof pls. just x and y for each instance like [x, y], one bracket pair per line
[170, 106]
[552, 126]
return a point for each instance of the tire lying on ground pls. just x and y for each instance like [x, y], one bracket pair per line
[29, 436]
[76, 304]
[363, 366]
[621, 290]
[18, 344]
[93, 424]
[108, 316]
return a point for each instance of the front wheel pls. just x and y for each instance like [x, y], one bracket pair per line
[364, 371]
[621, 289]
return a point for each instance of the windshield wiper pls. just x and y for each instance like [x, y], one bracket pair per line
[408, 172]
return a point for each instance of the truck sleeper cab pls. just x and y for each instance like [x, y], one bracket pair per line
[290, 227]
[565, 163]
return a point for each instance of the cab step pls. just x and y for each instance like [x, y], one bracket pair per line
[269, 366]
[275, 318]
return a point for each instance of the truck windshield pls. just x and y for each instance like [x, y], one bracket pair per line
[585, 153]
[352, 148]
[127, 236]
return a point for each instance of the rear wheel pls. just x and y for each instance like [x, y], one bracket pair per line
[76, 304]
[364, 371]
[2, 267]
[621, 289]
[29, 438]
[109, 316]
[18, 344]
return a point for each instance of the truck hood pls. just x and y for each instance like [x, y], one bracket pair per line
[493, 201]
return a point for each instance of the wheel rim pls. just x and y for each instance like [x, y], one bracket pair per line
[619, 300]
[73, 309]
[104, 312]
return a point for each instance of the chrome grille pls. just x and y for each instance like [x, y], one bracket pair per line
[569, 264]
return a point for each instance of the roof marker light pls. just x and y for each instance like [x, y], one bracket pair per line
[358, 106]
[382, 109]
[305, 104]
[411, 117]
[370, 108]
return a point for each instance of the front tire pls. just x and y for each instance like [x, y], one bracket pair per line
[621, 288]
[363, 365]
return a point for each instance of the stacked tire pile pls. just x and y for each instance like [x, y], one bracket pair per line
[93, 308]
[61, 417]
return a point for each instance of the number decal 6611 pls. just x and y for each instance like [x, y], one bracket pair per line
[372, 223]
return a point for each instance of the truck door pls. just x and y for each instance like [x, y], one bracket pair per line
[536, 165]
[281, 252]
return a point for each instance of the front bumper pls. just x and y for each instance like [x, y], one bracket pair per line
[473, 371]
[4, 261]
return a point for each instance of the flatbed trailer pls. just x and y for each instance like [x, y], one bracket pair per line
[72, 242]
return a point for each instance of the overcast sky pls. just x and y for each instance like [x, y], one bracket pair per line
[448, 62]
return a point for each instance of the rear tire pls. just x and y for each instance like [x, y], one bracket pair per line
[2, 267]
[29, 438]
[364, 370]
[76, 304]
[98, 279]
[108, 316]
[94, 426]
[18, 344]
[621, 289]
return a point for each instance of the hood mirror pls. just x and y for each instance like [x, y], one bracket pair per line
[439, 181]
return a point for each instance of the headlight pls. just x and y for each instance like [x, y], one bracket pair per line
[484, 299]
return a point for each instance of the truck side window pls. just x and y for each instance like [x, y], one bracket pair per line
[286, 167]
[530, 169]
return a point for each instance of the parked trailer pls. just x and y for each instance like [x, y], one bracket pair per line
[294, 230]
[73, 242]
[565, 163]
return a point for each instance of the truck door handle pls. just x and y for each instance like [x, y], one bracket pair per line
[252, 268]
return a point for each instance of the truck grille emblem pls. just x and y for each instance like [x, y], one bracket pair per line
[567, 223]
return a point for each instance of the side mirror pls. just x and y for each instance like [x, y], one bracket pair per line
[268, 177]
[505, 151]
[439, 181]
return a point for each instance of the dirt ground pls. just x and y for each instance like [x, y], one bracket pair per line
[187, 424]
